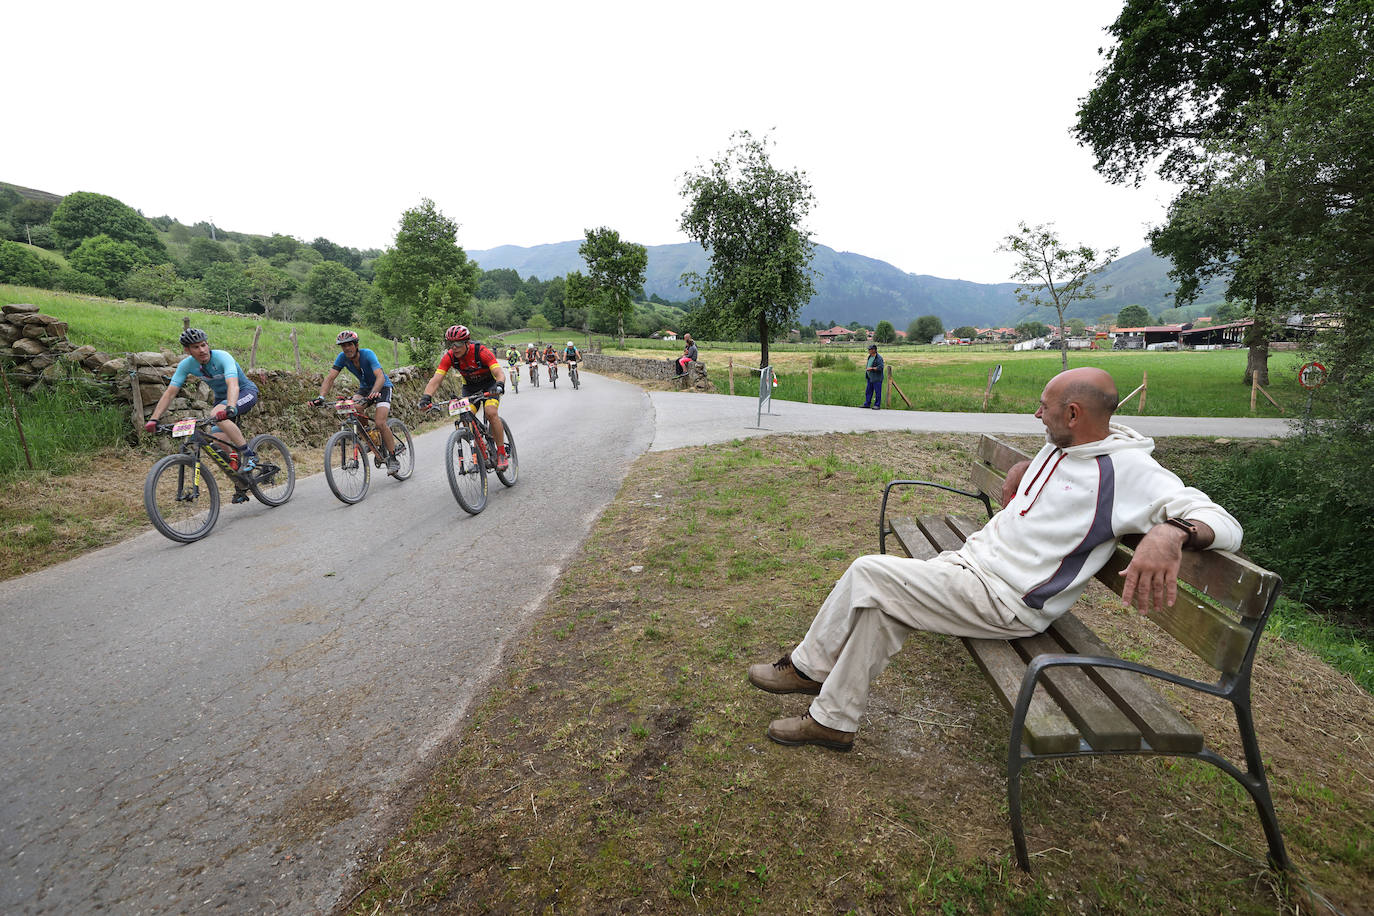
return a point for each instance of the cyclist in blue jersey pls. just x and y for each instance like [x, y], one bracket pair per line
[373, 387]
[235, 394]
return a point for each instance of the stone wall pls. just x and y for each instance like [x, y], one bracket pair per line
[654, 369]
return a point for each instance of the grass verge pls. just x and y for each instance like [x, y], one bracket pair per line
[619, 763]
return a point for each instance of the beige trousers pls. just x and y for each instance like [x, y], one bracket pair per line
[870, 612]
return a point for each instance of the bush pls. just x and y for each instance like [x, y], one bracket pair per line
[20, 266]
[833, 361]
[74, 281]
[1308, 514]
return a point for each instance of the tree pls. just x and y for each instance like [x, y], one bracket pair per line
[1077, 327]
[20, 266]
[266, 283]
[1050, 274]
[1132, 316]
[83, 215]
[1229, 312]
[335, 292]
[616, 271]
[1030, 330]
[426, 255]
[748, 216]
[153, 283]
[226, 283]
[884, 332]
[965, 332]
[925, 329]
[108, 259]
[1181, 77]
[579, 300]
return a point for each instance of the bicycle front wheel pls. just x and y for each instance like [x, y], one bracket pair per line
[346, 467]
[509, 475]
[181, 504]
[514, 375]
[576, 383]
[467, 472]
[405, 448]
[274, 479]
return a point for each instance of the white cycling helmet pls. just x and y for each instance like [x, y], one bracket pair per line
[570, 343]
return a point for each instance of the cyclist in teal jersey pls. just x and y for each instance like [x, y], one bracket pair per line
[373, 387]
[235, 394]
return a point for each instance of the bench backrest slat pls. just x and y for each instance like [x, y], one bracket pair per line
[1214, 637]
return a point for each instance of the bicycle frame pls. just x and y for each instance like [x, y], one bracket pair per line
[357, 421]
[468, 411]
[202, 440]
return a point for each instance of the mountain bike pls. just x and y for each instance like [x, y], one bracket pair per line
[471, 451]
[513, 376]
[346, 466]
[572, 374]
[534, 373]
[553, 374]
[181, 495]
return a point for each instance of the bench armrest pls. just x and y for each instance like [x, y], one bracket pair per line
[1040, 663]
[882, 511]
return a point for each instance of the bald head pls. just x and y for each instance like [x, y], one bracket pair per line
[1077, 405]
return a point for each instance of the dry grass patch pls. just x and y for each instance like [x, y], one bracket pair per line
[620, 764]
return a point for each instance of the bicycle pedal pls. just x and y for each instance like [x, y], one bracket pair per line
[239, 497]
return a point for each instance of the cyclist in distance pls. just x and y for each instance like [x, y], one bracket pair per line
[235, 394]
[531, 357]
[482, 374]
[550, 356]
[374, 387]
[571, 354]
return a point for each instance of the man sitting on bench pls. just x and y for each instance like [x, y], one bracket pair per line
[1063, 511]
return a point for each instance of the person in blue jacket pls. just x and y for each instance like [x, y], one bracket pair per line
[373, 387]
[873, 376]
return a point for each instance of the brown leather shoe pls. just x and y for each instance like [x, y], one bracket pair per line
[806, 730]
[782, 677]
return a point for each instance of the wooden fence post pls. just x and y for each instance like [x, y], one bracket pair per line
[809, 370]
[732, 374]
[137, 395]
[253, 354]
[396, 353]
[296, 345]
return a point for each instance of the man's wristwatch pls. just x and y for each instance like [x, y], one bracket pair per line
[1190, 543]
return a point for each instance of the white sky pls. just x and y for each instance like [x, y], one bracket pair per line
[927, 130]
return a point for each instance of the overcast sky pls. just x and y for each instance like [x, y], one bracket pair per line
[927, 130]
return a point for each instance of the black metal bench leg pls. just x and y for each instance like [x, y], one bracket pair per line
[1018, 832]
[1258, 787]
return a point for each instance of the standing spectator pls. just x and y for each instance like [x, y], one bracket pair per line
[873, 374]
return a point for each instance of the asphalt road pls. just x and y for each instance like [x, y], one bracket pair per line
[221, 726]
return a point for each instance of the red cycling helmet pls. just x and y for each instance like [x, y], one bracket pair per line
[346, 336]
[457, 332]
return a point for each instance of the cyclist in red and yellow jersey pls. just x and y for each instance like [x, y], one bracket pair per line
[482, 374]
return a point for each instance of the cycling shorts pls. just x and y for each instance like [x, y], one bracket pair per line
[384, 396]
[245, 402]
[471, 390]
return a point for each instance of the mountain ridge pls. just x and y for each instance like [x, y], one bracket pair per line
[855, 287]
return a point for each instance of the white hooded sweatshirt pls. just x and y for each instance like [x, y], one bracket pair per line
[1072, 505]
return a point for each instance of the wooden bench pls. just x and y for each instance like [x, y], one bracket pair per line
[1071, 696]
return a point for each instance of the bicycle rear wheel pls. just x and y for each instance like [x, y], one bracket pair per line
[405, 448]
[511, 473]
[274, 479]
[467, 472]
[514, 376]
[180, 506]
[534, 375]
[346, 467]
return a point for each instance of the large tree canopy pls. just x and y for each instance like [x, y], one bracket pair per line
[84, 215]
[748, 216]
[1180, 78]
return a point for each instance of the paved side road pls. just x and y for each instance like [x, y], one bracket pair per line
[688, 418]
